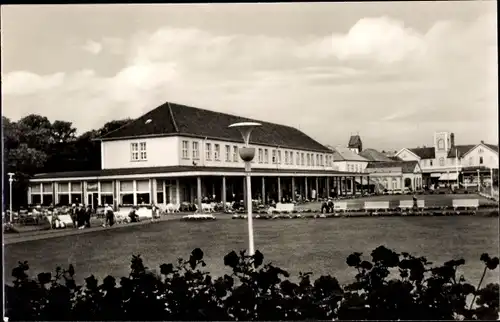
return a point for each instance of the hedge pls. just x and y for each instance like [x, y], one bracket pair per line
[390, 286]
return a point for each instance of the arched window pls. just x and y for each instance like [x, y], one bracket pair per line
[480, 160]
[441, 161]
[441, 144]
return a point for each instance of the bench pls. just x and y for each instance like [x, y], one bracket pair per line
[64, 219]
[340, 206]
[285, 207]
[144, 213]
[408, 204]
[465, 203]
[171, 208]
[376, 205]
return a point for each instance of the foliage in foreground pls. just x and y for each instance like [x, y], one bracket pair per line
[389, 287]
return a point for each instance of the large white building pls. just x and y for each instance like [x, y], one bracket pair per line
[178, 153]
[448, 162]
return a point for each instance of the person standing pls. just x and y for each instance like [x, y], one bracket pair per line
[109, 215]
[88, 215]
[73, 215]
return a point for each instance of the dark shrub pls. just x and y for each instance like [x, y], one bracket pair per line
[258, 291]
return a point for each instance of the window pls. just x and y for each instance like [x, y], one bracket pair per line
[298, 159]
[430, 162]
[441, 161]
[208, 151]
[228, 153]
[261, 156]
[291, 157]
[235, 153]
[196, 150]
[266, 156]
[441, 144]
[185, 149]
[302, 159]
[312, 159]
[138, 151]
[286, 157]
[134, 150]
[217, 152]
[279, 157]
[317, 160]
[308, 158]
[144, 155]
[274, 157]
[480, 160]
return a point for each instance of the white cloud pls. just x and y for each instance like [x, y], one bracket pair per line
[378, 71]
[92, 47]
[27, 83]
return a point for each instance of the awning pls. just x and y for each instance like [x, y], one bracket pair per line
[435, 175]
[452, 176]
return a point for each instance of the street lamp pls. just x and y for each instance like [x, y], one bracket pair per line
[247, 154]
[11, 179]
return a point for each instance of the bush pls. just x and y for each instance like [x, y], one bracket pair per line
[254, 291]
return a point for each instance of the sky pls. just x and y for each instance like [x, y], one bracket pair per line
[394, 72]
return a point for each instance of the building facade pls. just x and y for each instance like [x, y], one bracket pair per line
[177, 153]
[448, 163]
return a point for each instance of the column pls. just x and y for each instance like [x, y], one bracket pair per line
[345, 186]
[198, 192]
[293, 188]
[135, 191]
[29, 195]
[152, 188]
[306, 193]
[55, 191]
[317, 188]
[69, 193]
[116, 187]
[223, 193]
[264, 190]
[353, 186]
[328, 187]
[177, 191]
[279, 189]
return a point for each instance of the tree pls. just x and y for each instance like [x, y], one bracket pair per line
[63, 132]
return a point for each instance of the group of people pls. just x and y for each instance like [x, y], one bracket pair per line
[80, 215]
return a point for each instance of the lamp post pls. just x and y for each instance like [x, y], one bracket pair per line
[11, 179]
[247, 154]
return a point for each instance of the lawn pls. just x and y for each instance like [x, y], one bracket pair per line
[320, 246]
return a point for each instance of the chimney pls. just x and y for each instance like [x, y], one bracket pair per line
[482, 142]
[452, 140]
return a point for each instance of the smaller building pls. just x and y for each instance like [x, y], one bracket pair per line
[355, 144]
[344, 159]
[396, 176]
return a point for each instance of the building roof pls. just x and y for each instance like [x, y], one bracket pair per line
[406, 166]
[176, 119]
[374, 156]
[154, 170]
[461, 149]
[354, 141]
[492, 146]
[424, 153]
[345, 154]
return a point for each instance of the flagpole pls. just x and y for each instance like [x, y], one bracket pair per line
[456, 167]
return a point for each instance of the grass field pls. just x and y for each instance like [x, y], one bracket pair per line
[320, 246]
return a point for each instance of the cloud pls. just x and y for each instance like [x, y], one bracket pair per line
[378, 72]
[92, 47]
[27, 83]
